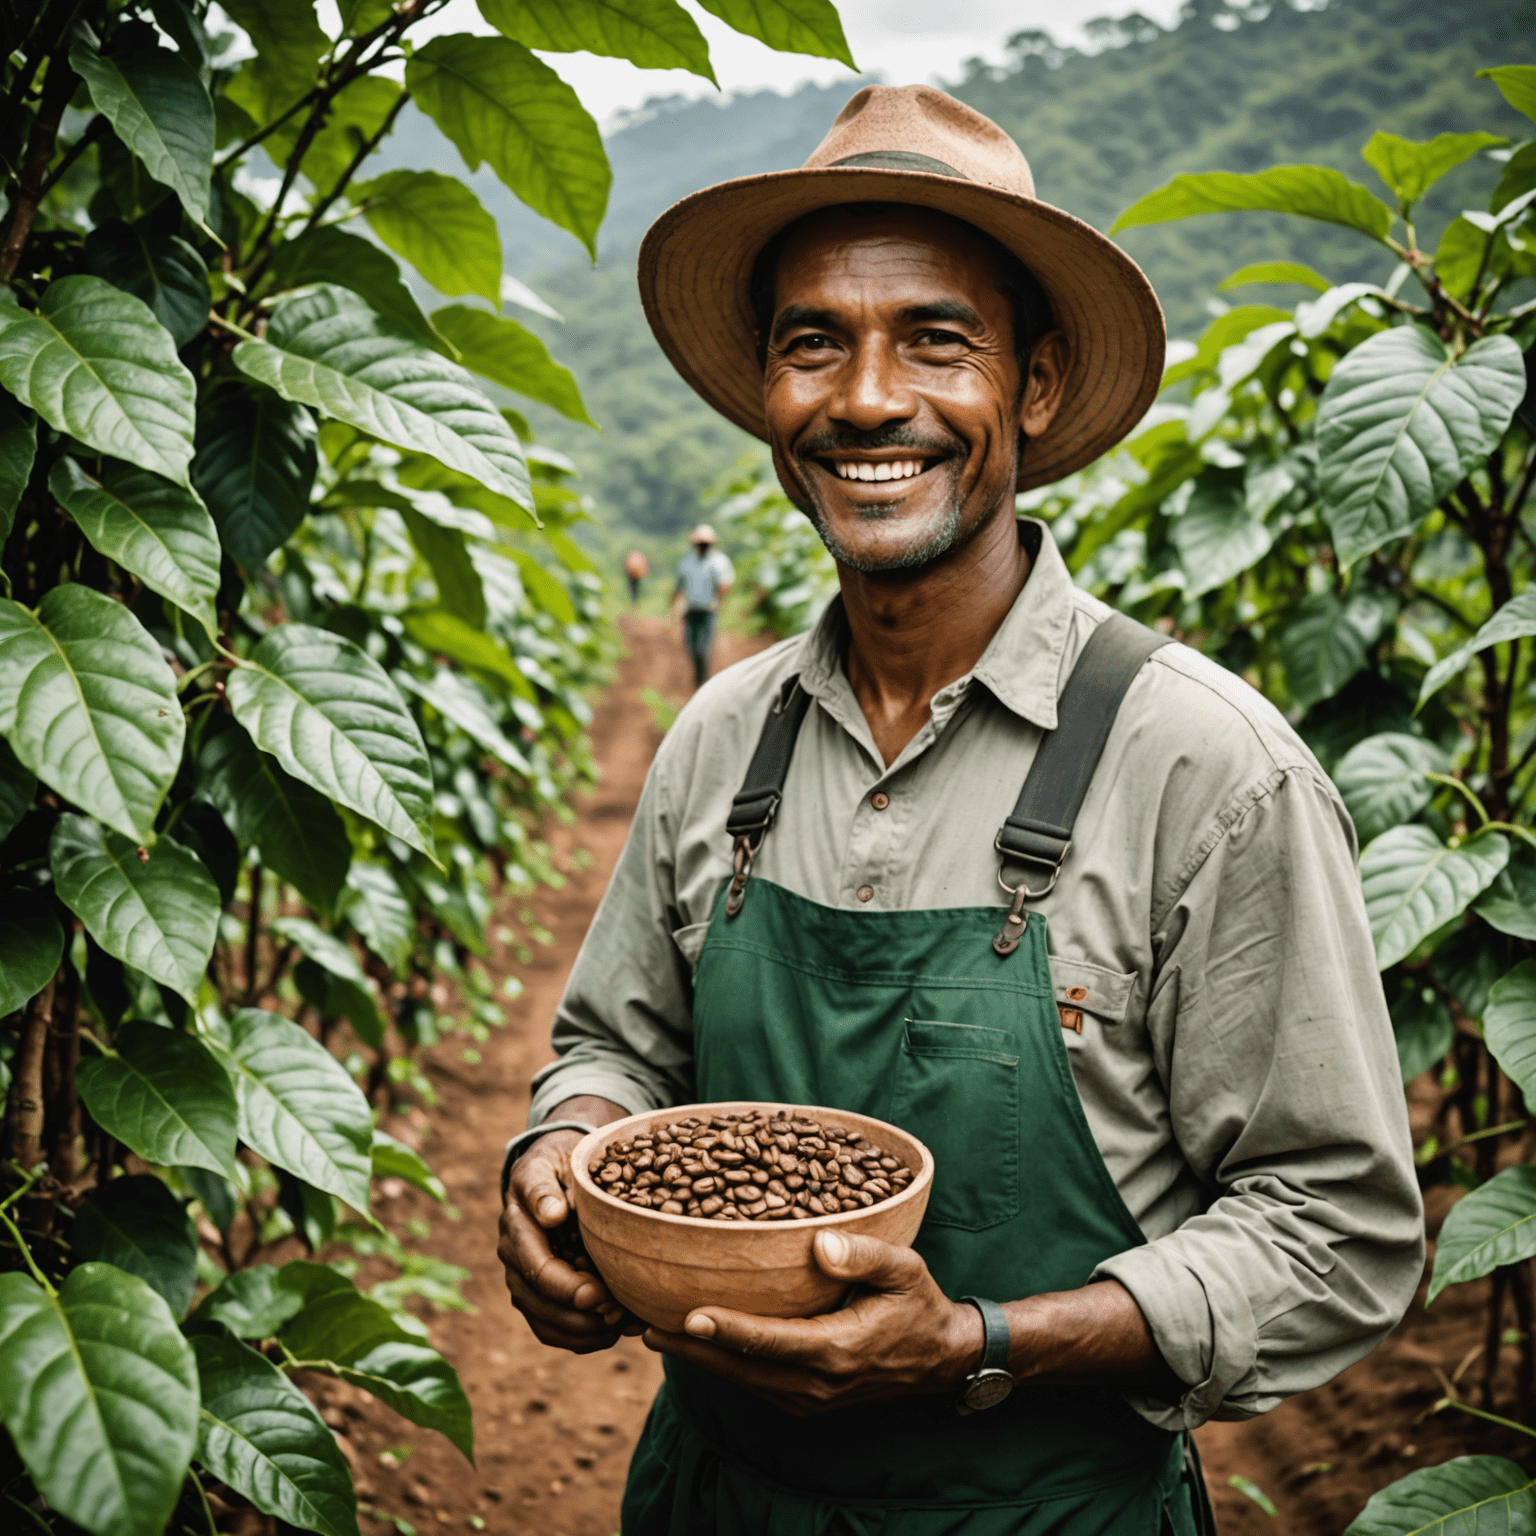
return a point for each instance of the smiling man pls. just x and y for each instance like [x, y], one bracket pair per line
[980, 857]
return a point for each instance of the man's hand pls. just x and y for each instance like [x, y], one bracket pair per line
[901, 1336]
[565, 1308]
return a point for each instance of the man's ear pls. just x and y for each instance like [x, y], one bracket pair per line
[1049, 360]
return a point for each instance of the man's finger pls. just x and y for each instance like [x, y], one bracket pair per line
[538, 1189]
[526, 1250]
[868, 1261]
[799, 1341]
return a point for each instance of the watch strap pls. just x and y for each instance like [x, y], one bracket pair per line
[525, 1139]
[998, 1339]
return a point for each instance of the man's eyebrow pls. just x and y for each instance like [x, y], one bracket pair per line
[793, 315]
[955, 311]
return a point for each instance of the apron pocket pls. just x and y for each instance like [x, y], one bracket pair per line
[957, 1090]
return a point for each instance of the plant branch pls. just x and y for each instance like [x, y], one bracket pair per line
[364, 150]
[1451, 782]
[31, 183]
[26, 1096]
[26, 1253]
[1493, 1418]
[96, 130]
[246, 146]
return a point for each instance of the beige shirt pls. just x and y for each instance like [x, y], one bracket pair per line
[1236, 1063]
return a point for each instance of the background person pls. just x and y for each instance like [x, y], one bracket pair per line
[636, 569]
[704, 576]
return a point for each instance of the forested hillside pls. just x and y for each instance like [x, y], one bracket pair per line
[1234, 87]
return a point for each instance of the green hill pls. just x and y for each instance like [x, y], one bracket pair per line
[1235, 86]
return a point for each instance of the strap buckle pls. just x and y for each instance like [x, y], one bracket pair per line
[753, 814]
[1052, 864]
[742, 862]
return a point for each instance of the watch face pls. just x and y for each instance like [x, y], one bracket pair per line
[987, 1389]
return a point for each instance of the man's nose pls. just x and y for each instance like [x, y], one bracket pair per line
[871, 389]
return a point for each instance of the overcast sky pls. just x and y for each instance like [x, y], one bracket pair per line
[906, 41]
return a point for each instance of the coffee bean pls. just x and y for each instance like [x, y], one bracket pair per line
[748, 1167]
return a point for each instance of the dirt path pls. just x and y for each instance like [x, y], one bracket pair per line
[554, 1432]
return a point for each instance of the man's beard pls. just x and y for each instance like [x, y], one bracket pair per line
[943, 532]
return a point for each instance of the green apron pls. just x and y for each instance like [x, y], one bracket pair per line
[927, 1019]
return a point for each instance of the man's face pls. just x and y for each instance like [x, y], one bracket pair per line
[891, 386]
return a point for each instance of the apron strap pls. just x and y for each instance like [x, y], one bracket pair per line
[757, 803]
[1039, 831]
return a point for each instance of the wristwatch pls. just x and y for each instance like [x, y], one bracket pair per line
[991, 1382]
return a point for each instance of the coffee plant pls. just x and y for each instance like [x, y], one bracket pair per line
[293, 653]
[1332, 500]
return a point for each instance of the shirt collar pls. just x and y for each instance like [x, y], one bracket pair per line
[1022, 663]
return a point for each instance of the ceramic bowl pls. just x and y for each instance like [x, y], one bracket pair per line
[661, 1267]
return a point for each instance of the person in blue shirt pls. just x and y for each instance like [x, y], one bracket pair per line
[704, 576]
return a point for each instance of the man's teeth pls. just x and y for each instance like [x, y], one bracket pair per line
[855, 469]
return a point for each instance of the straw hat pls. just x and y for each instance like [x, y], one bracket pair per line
[703, 534]
[911, 144]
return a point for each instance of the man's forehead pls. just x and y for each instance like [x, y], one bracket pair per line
[886, 233]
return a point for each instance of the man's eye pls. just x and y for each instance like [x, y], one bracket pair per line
[940, 339]
[810, 343]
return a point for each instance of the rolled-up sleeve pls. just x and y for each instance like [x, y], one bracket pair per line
[1271, 1035]
[623, 1029]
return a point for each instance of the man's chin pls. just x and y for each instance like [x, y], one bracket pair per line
[862, 549]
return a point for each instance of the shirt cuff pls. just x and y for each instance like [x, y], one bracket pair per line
[1210, 1342]
[568, 1080]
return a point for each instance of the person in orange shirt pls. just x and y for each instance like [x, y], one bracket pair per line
[636, 569]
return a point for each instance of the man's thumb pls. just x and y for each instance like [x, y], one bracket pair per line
[543, 1196]
[867, 1259]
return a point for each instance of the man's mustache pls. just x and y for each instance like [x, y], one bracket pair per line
[851, 440]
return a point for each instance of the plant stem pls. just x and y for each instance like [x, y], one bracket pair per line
[1451, 782]
[1478, 1413]
[64, 1111]
[32, 182]
[364, 150]
[1493, 1130]
[197, 1483]
[26, 1096]
[26, 1253]
[253, 935]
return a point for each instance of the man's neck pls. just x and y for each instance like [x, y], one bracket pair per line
[910, 632]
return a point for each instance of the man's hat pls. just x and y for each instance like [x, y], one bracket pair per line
[911, 144]
[703, 534]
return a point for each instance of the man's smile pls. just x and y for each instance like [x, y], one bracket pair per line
[870, 468]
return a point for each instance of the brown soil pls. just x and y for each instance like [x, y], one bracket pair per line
[554, 1432]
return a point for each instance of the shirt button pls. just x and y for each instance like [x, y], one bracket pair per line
[879, 799]
[865, 893]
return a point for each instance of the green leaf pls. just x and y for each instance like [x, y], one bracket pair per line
[181, 23]
[446, 633]
[327, 711]
[362, 1344]
[327, 348]
[789, 26]
[331, 255]
[155, 530]
[157, 267]
[1217, 537]
[1401, 423]
[338, 998]
[17, 786]
[358, 111]
[165, 1096]
[1465, 1496]
[1382, 780]
[1225, 332]
[95, 363]
[18, 448]
[1509, 1027]
[31, 946]
[259, 1434]
[393, 1159]
[1414, 884]
[1423, 1028]
[655, 34]
[438, 225]
[461, 704]
[458, 583]
[1410, 168]
[160, 110]
[255, 465]
[1517, 83]
[90, 705]
[108, 1438]
[136, 1224]
[334, 957]
[545, 590]
[1519, 178]
[301, 838]
[1493, 1226]
[298, 1107]
[1291, 272]
[377, 908]
[1326, 641]
[1516, 619]
[1510, 902]
[500, 104]
[159, 914]
[502, 351]
[288, 42]
[1310, 191]
[359, 16]
[252, 1303]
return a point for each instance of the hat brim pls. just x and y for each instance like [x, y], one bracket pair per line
[696, 276]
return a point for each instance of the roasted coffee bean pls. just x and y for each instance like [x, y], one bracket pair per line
[752, 1167]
